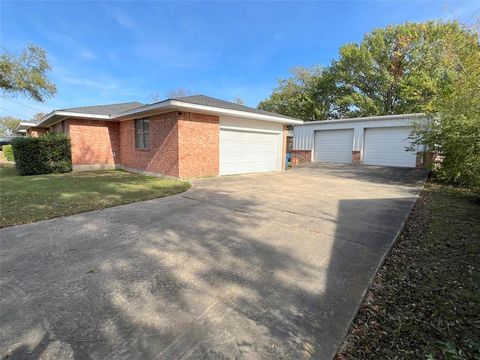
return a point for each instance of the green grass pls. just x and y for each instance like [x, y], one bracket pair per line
[25, 199]
[425, 301]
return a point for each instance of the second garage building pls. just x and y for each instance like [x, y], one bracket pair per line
[376, 140]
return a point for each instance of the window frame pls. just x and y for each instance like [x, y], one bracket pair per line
[142, 131]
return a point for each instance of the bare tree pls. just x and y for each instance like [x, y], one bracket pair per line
[172, 94]
[238, 100]
[180, 92]
[155, 97]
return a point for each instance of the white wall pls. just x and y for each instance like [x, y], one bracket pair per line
[303, 135]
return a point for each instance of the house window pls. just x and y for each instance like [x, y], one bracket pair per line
[142, 134]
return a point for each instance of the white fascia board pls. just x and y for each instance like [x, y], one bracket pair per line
[81, 115]
[64, 114]
[185, 106]
[368, 118]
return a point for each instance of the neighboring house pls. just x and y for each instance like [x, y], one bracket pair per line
[22, 127]
[376, 140]
[184, 137]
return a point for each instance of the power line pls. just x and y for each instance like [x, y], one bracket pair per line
[12, 112]
[471, 17]
[19, 103]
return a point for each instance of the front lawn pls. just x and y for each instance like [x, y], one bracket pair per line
[25, 199]
[425, 301]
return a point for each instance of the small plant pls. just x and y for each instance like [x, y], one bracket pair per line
[8, 152]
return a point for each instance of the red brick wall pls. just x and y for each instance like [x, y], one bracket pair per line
[356, 157]
[93, 142]
[426, 159]
[162, 157]
[302, 155]
[36, 132]
[58, 128]
[198, 144]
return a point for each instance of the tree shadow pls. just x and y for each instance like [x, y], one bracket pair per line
[182, 277]
[387, 175]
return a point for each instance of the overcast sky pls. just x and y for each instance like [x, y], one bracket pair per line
[110, 52]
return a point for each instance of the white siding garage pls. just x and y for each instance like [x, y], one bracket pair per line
[375, 140]
[249, 146]
[387, 146]
[333, 146]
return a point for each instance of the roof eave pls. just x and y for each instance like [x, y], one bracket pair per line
[25, 125]
[58, 115]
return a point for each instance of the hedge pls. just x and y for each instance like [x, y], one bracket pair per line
[43, 155]
[8, 152]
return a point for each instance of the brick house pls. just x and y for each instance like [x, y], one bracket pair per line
[190, 136]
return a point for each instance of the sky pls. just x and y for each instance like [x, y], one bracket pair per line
[112, 52]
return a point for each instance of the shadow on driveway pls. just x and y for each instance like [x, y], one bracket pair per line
[226, 270]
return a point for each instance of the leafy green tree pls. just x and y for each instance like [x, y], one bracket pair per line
[395, 70]
[310, 94]
[26, 74]
[8, 125]
[454, 129]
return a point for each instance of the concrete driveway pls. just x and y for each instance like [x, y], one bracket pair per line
[265, 266]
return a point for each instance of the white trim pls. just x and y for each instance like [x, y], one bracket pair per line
[368, 118]
[75, 114]
[67, 114]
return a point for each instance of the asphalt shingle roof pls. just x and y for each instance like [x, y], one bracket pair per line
[115, 109]
[109, 109]
[209, 101]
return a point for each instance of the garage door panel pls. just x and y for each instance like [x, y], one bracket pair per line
[388, 147]
[334, 146]
[247, 152]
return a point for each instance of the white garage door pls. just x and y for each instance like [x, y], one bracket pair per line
[386, 146]
[246, 151]
[334, 146]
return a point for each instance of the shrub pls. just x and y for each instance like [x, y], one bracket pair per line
[8, 152]
[43, 155]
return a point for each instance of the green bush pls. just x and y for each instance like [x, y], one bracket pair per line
[43, 155]
[8, 152]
